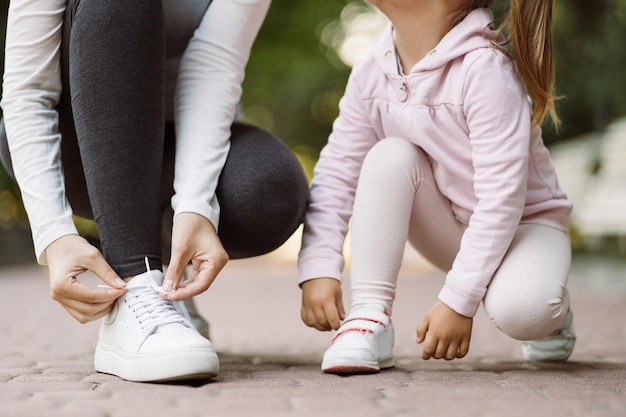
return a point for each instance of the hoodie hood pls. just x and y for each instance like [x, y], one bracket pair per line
[474, 32]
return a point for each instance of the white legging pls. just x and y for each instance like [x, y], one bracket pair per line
[397, 200]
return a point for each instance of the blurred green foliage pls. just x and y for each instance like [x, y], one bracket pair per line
[294, 81]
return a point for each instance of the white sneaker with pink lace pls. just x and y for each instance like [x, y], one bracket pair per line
[363, 343]
[144, 338]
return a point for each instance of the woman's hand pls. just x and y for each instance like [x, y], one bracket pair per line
[193, 239]
[446, 333]
[70, 256]
[322, 304]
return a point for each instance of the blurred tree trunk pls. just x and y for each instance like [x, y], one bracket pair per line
[590, 57]
[592, 19]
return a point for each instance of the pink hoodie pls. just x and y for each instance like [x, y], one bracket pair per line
[466, 107]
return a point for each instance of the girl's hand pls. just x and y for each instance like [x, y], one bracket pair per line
[322, 304]
[446, 333]
[70, 256]
[193, 239]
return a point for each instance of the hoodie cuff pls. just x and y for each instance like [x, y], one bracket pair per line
[318, 268]
[459, 301]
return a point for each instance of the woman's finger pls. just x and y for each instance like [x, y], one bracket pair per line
[198, 284]
[72, 289]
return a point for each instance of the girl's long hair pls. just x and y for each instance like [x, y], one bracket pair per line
[528, 25]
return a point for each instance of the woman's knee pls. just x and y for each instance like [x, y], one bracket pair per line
[262, 191]
[261, 171]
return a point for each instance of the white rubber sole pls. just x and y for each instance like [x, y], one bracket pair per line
[170, 366]
[351, 366]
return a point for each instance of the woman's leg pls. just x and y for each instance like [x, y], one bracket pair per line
[527, 297]
[113, 74]
[262, 193]
[397, 199]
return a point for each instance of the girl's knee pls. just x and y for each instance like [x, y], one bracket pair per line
[392, 155]
[394, 148]
[527, 298]
[527, 316]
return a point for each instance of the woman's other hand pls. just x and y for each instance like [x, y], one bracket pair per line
[70, 256]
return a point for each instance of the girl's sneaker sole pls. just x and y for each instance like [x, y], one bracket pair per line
[358, 368]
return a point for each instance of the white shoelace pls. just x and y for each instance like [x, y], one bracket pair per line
[150, 309]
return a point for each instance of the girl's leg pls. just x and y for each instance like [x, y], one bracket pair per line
[262, 193]
[396, 199]
[113, 75]
[396, 192]
[527, 297]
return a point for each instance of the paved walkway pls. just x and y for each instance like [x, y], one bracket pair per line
[270, 361]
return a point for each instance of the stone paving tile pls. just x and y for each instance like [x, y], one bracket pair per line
[270, 361]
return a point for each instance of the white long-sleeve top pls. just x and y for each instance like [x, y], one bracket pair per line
[208, 90]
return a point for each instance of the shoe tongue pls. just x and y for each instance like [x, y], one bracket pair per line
[149, 277]
[377, 307]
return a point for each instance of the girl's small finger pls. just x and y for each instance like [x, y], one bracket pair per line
[463, 348]
[429, 349]
[441, 351]
[452, 352]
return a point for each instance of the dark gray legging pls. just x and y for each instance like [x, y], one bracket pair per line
[112, 119]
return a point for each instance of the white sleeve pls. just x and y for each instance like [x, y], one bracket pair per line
[31, 91]
[209, 88]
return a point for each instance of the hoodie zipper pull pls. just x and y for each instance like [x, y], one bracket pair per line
[403, 92]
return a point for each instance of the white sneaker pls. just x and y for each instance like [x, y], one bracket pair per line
[144, 338]
[363, 343]
[187, 309]
[558, 346]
